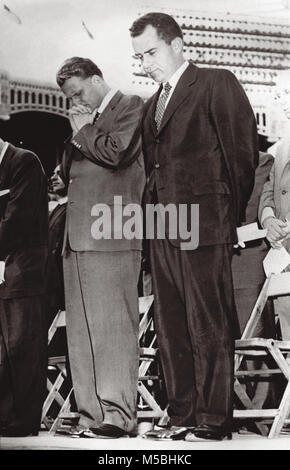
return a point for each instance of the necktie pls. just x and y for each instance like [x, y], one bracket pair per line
[160, 107]
[97, 115]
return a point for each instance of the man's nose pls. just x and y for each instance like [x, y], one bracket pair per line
[147, 63]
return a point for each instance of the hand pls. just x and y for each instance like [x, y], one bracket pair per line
[2, 270]
[276, 231]
[79, 115]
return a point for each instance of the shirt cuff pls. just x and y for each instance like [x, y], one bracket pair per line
[267, 212]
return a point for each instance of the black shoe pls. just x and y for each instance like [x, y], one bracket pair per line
[107, 431]
[204, 432]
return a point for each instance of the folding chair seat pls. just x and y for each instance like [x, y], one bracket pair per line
[269, 421]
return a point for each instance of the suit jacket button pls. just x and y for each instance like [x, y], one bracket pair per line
[157, 165]
[157, 141]
[284, 192]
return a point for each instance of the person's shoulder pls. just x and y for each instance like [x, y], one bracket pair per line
[23, 158]
[130, 99]
[216, 74]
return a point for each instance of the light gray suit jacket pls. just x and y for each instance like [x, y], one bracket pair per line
[102, 161]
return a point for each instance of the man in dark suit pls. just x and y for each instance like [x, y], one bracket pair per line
[102, 161]
[56, 225]
[200, 148]
[23, 260]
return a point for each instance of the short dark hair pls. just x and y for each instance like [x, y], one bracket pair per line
[166, 26]
[77, 67]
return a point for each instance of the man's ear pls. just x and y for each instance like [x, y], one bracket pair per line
[96, 80]
[177, 45]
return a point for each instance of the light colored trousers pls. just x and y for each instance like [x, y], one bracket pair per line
[102, 328]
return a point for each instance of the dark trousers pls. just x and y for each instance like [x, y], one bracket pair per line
[23, 361]
[196, 325]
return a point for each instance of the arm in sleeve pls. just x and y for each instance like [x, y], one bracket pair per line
[236, 128]
[19, 216]
[267, 203]
[119, 146]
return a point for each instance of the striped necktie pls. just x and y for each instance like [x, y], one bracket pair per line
[160, 107]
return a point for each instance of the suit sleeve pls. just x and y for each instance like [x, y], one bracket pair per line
[236, 128]
[19, 216]
[122, 144]
[267, 194]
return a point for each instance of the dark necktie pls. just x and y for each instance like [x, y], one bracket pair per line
[97, 115]
[160, 107]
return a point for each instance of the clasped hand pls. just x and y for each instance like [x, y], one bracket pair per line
[277, 231]
[79, 115]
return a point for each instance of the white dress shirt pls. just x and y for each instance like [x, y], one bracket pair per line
[174, 79]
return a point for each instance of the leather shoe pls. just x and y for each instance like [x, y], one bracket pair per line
[172, 433]
[205, 432]
[107, 431]
[73, 431]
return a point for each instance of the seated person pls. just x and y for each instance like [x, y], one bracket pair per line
[249, 276]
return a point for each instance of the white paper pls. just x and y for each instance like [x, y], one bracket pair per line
[276, 260]
[250, 232]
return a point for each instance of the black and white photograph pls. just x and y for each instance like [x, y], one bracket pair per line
[144, 227]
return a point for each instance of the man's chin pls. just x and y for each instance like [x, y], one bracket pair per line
[155, 76]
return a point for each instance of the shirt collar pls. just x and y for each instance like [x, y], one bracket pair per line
[106, 100]
[177, 74]
[62, 200]
[3, 151]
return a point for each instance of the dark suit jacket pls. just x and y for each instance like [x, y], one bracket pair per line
[205, 151]
[23, 224]
[102, 161]
[56, 225]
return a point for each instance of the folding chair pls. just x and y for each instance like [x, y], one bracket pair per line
[249, 346]
[149, 383]
[58, 384]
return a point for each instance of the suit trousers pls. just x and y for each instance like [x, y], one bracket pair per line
[102, 321]
[23, 361]
[196, 323]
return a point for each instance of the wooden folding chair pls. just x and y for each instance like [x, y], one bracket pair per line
[58, 384]
[149, 383]
[250, 347]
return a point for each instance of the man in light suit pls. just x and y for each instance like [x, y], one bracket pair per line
[102, 160]
[23, 315]
[200, 147]
[274, 207]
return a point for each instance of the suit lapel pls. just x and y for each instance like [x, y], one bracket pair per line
[180, 93]
[110, 106]
[4, 165]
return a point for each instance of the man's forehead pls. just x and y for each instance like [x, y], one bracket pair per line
[148, 39]
[73, 84]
